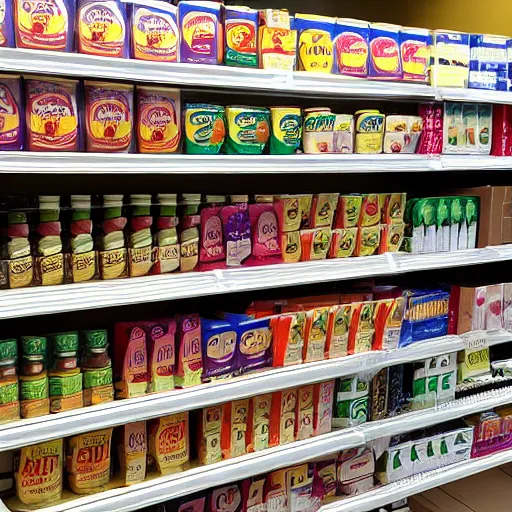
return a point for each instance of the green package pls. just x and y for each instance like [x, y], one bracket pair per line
[286, 133]
[443, 224]
[457, 222]
[352, 403]
[248, 130]
[424, 218]
[205, 129]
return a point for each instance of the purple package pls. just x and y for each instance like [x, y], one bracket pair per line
[200, 26]
[226, 499]
[219, 348]
[237, 231]
[6, 24]
[324, 484]
[12, 119]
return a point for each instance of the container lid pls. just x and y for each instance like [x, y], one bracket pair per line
[239, 199]
[65, 343]
[167, 199]
[96, 339]
[317, 109]
[191, 198]
[34, 345]
[112, 200]
[215, 199]
[140, 199]
[8, 350]
[81, 202]
[264, 198]
[49, 202]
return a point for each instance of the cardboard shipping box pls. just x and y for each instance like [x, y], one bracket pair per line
[484, 492]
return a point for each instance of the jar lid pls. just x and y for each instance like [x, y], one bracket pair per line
[140, 199]
[191, 198]
[8, 350]
[49, 202]
[112, 200]
[81, 202]
[325, 110]
[96, 339]
[65, 343]
[239, 199]
[260, 198]
[96, 350]
[34, 345]
[167, 199]
[215, 199]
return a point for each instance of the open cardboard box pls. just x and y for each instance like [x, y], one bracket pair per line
[490, 491]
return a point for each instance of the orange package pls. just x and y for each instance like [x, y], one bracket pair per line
[234, 428]
[258, 423]
[323, 398]
[315, 335]
[362, 328]
[338, 329]
[389, 315]
[209, 434]
[288, 338]
[304, 420]
[282, 417]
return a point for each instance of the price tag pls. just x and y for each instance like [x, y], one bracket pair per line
[475, 360]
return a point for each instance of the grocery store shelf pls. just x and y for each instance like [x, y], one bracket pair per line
[42, 300]
[30, 431]
[155, 490]
[480, 95]
[104, 163]
[419, 483]
[475, 162]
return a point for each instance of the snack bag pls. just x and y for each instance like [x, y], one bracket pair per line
[343, 243]
[286, 134]
[132, 450]
[323, 397]
[351, 47]
[212, 251]
[209, 434]
[288, 338]
[283, 416]
[237, 230]
[202, 39]
[12, 118]
[189, 365]
[315, 334]
[277, 42]
[385, 61]
[389, 314]
[226, 499]
[338, 329]
[161, 350]
[415, 46]
[265, 231]
[304, 421]
[234, 428]
[362, 328]
[52, 115]
[253, 494]
[108, 117]
[158, 119]
[205, 128]
[258, 423]
[348, 211]
[88, 461]
[7, 29]
[155, 33]
[241, 36]
[48, 27]
[315, 45]
[248, 130]
[219, 346]
[102, 28]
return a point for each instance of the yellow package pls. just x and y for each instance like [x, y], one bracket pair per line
[209, 435]
[258, 423]
[304, 424]
[234, 428]
[369, 131]
[132, 452]
[88, 461]
[168, 442]
[291, 247]
[39, 473]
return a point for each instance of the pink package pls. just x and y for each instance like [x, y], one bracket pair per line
[189, 363]
[212, 253]
[265, 233]
[431, 141]
[253, 494]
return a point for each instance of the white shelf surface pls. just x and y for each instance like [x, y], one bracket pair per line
[473, 95]
[54, 426]
[42, 300]
[173, 486]
[417, 484]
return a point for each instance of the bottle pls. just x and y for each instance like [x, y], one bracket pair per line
[140, 241]
[166, 251]
[9, 402]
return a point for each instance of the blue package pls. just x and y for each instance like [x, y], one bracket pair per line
[219, 345]
[254, 349]
[351, 47]
[426, 316]
[488, 62]
[6, 25]
[385, 62]
[415, 44]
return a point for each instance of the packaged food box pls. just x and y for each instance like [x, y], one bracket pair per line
[415, 47]
[12, 114]
[355, 471]
[283, 417]
[488, 63]
[315, 334]
[338, 328]
[431, 140]
[277, 41]
[234, 427]
[450, 59]
[351, 402]
[351, 47]
[241, 25]
[318, 130]
[205, 128]
[248, 130]
[402, 134]
[343, 134]
[343, 242]
[323, 399]
[7, 39]
[231, 494]
[369, 131]
[286, 133]
[209, 434]
[288, 338]
[132, 447]
[385, 59]
[258, 423]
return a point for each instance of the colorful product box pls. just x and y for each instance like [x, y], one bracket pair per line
[248, 130]
[241, 27]
[7, 27]
[351, 47]
[189, 364]
[402, 134]
[12, 115]
[277, 41]
[369, 131]
[415, 47]
[488, 62]
[202, 40]
[219, 348]
[450, 59]
[155, 34]
[431, 140]
[315, 42]
[385, 61]
[205, 128]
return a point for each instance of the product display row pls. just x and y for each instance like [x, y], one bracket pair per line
[211, 33]
[44, 244]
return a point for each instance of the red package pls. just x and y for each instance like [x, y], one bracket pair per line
[283, 417]
[49, 228]
[81, 227]
[431, 141]
[18, 231]
[138, 223]
[502, 130]
[111, 225]
[234, 428]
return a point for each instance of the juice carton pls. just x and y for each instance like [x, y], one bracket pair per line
[44, 27]
[52, 115]
[351, 404]
[385, 61]
[226, 499]
[402, 134]
[12, 115]
[315, 42]
[202, 39]
[265, 231]
[283, 417]
[338, 327]
[450, 58]
[248, 130]
[169, 442]
[351, 47]
[362, 327]
[348, 211]
[323, 208]
[286, 133]
[35, 486]
[189, 363]
[205, 129]
[258, 423]
[343, 137]
[369, 131]
[343, 242]
[277, 42]
[393, 207]
[415, 47]
[315, 243]
[161, 350]
[154, 31]
[318, 130]
[130, 360]
[315, 334]
[189, 237]
[219, 346]
[88, 461]
[241, 36]
[389, 314]
[102, 28]
[158, 119]
[209, 434]
[166, 249]
[132, 448]
[304, 421]
[488, 62]
[237, 230]
[212, 251]
[234, 428]
[355, 471]
[323, 397]
[443, 223]
[109, 117]
[140, 241]
[288, 338]
[253, 494]
[7, 39]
